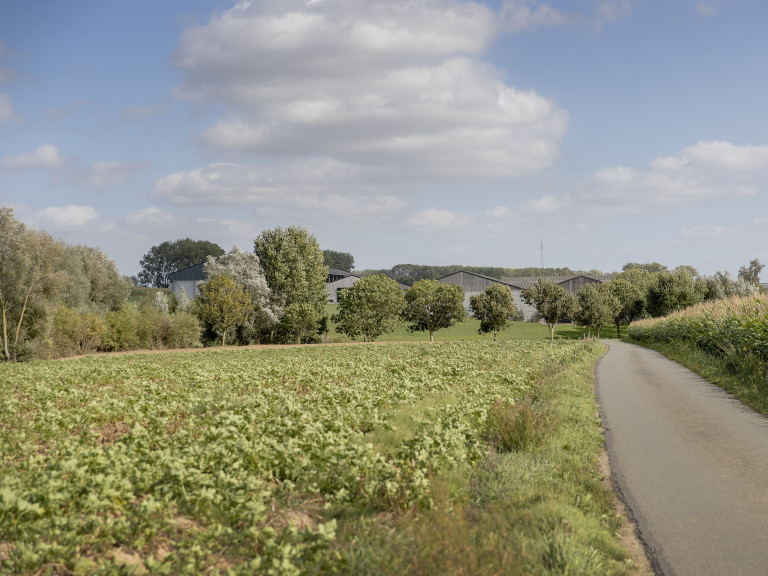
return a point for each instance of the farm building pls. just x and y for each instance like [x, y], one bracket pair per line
[337, 281]
[475, 283]
[187, 279]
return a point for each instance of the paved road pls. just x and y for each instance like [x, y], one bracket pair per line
[690, 461]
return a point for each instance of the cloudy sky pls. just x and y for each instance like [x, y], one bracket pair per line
[408, 131]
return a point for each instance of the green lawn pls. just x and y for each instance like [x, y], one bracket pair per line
[468, 330]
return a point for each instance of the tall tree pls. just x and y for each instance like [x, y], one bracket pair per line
[339, 260]
[223, 304]
[649, 267]
[168, 257]
[596, 307]
[672, 291]
[31, 279]
[296, 272]
[751, 272]
[552, 302]
[245, 269]
[631, 301]
[430, 306]
[371, 307]
[495, 308]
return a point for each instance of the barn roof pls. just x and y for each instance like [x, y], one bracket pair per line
[491, 278]
[194, 272]
[526, 282]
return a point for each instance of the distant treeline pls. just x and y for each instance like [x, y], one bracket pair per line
[409, 273]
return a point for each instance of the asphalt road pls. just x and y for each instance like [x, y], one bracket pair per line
[690, 461]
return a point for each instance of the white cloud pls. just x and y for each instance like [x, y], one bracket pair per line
[519, 15]
[708, 169]
[66, 217]
[69, 170]
[104, 175]
[150, 218]
[544, 205]
[436, 218]
[497, 212]
[702, 231]
[44, 157]
[379, 85]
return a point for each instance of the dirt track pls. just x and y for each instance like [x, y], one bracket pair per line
[690, 461]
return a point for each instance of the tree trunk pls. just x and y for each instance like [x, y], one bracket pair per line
[431, 336]
[5, 334]
[618, 330]
[551, 331]
[494, 335]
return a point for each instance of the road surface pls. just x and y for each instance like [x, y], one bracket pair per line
[690, 462]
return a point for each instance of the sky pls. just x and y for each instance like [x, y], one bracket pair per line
[400, 131]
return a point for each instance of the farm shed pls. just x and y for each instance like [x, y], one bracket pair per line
[338, 280]
[187, 279]
[473, 283]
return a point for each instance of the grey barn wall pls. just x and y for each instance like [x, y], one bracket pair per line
[476, 284]
[334, 287]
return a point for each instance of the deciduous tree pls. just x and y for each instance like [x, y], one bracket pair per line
[296, 272]
[430, 306]
[339, 260]
[596, 307]
[223, 304]
[168, 257]
[371, 307]
[245, 269]
[671, 291]
[552, 302]
[495, 308]
[751, 272]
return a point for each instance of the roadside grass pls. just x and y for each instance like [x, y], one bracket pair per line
[539, 509]
[740, 375]
[468, 331]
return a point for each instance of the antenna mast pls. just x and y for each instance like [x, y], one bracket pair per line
[541, 259]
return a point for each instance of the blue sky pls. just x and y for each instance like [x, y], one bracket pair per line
[418, 131]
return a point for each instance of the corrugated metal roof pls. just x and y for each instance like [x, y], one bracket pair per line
[502, 281]
[194, 272]
[526, 282]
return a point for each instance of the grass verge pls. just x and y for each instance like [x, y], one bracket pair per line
[740, 375]
[534, 505]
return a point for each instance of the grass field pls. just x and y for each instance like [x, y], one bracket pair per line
[467, 331]
[452, 458]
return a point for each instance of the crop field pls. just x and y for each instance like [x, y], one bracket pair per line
[319, 459]
[725, 341]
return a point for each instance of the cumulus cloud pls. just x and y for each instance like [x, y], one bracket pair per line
[519, 15]
[69, 170]
[375, 84]
[707, 169]
[66, 217]
[307, 186]
[544, 205]
[44, 157]
[436, 218]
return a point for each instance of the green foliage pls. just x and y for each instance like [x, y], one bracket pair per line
[339, 260]
[596, 307]
[168, 257]
[495, 308]
[371, 307]
[672, 291]
[295, 272]
[246, 461]
[751, 272]
[245, 269]
[552, 302]
[652, 267]
[431, 305]
[408, 274]
[223, 304]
